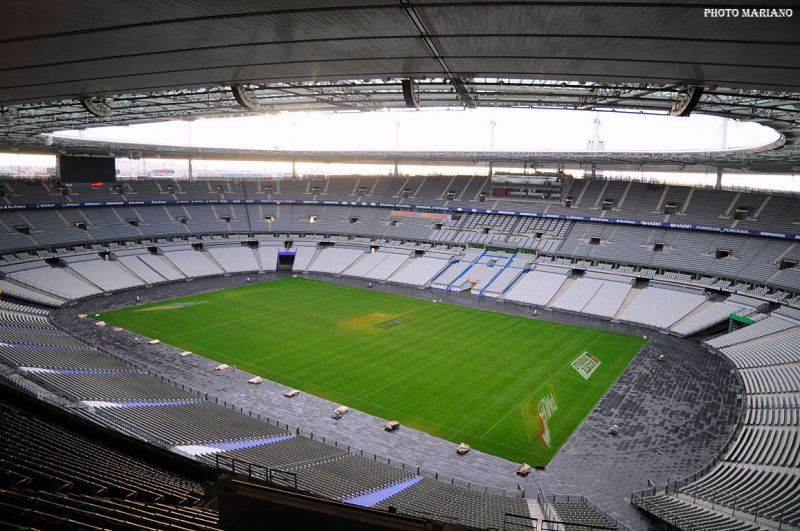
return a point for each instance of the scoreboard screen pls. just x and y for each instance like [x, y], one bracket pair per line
[86, 169]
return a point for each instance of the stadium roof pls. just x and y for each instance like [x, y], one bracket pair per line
[96, 62]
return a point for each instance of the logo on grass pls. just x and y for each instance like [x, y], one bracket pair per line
[585, 364]
[390, 324]
[544, 411]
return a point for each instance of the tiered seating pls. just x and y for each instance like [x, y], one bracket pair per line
[105, 274]
[303, 254]
[60, 282]
[125, 386]
[712, 314]
[448, 503]
[234, 259]
[192, 263]
[386, 268]
[608, 299]
[162, 266]
[268, 255]
[759, 329]
[82, 511]
[780, 348]
[39, 455]
[419, 272]
[370, 261]
[580, 512]
[334, 260]
[56, 358]
[21, 308]
[578, 295]
[753, 259]
[141, 269]
[759, 473]
[22, 292]
[477, 277]
[16, 336]
[660, 307]
[193, 424]
[687, 515]
[536, 287]
[345, 476]
[500, 282]
[455, 271]
[772, 493]
[285, 454]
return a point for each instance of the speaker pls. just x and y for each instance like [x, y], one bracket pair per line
[686, 105]
[410, 94]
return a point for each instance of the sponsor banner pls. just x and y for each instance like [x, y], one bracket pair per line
[419, 215]
[406, 207]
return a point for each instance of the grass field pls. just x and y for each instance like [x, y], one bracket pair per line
[491, 380]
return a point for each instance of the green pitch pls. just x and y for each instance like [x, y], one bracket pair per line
[503, 384]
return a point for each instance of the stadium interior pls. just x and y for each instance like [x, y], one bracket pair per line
[106, 427]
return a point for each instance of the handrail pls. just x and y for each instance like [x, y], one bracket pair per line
[549, 513]
[254, 472]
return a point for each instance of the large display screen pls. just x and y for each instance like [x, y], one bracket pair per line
[86, 169]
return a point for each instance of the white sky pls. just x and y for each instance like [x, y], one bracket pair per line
[463, 130]
[453, 129]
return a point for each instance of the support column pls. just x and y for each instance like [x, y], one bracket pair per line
[396, 169]
[294, 170]
[719, 179]
[491, 169]
[191, 173]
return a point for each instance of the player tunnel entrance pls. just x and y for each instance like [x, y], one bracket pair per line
[286, 257]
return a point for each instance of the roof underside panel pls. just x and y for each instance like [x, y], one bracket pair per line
[160, 59]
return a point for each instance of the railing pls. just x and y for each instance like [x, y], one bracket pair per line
[516, 522]
[258, 473]
[46, 292]
[555, 525]
[552, 517]
[21, 386]
[132, 428]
